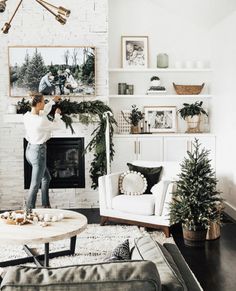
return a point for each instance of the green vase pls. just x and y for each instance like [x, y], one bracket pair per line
[162, 61]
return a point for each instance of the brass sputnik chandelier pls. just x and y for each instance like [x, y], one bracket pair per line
[59, 12]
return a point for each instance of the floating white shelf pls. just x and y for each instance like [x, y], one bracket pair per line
[177, 134]
[200, 96]
[151, 70]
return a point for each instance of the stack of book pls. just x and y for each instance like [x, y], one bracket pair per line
[156, 90]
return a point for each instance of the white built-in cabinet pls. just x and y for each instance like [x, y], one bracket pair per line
[130, 148]
[157, 148]
[175, 148]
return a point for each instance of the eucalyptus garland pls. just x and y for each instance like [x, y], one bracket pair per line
[86, 111]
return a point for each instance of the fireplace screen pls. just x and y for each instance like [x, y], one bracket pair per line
[65, 161]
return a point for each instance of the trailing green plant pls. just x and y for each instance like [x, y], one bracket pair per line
[87, 111]
[192, 109]
[195, 201]
[134, 117]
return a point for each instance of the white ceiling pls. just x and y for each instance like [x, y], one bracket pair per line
[205, 13]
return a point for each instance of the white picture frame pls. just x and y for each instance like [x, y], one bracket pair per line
[161, 118]
[134, 52]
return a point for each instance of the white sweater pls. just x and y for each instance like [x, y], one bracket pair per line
[38, 128]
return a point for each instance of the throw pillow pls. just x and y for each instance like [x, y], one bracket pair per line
[151, 174]
[132, 183]
[120, 253]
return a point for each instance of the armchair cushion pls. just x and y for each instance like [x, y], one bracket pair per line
[159, 191]
[112, 187]
[151, 174]
[141, 204]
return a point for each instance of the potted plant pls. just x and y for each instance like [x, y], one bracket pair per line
[133, 119]
[155, 81]
[195, 201]
[191, 113]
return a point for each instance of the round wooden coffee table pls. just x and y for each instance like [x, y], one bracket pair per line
[70, 226]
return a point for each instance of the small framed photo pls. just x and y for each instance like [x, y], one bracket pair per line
[161, 118]
[134, 51]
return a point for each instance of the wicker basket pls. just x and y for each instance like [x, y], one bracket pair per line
[188, 89]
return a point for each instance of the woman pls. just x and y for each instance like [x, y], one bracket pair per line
[38, 131]
[70, 83]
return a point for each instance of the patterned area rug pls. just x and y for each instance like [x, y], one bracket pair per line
[92, 245]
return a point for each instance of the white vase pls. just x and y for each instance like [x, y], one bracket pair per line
[155, 83]
[193, 124]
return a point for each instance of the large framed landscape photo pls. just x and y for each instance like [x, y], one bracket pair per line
[66, 71]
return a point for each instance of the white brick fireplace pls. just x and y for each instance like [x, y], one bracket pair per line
[32, 26]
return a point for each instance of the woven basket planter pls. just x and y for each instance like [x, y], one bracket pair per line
[194, 238]
[188, 89]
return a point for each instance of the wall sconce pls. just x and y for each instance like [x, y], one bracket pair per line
[7, 25]
[60, 12]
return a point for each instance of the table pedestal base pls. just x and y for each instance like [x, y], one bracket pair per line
[41, 260]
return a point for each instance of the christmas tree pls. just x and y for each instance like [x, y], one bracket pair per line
[195, 201]
[35, 71]
[23, 70]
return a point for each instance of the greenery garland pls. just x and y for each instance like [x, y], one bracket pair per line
[87, 111]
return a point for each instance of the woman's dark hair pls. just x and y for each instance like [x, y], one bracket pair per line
[36, 98]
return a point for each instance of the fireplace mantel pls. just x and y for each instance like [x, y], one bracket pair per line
[13, 118]
[18, 118]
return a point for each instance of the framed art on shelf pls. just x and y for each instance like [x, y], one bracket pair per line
[49, 70]
[134, 51]
[161, 118]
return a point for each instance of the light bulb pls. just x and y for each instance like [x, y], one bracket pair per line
[6, 27]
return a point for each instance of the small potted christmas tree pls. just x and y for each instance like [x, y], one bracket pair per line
[195, 201]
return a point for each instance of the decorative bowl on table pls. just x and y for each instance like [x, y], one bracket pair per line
[188, 89]
[20, 217]
[17, 217]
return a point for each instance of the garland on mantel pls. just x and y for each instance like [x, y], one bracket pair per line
[87, 112]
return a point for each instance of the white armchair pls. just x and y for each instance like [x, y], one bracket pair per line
[149, 210]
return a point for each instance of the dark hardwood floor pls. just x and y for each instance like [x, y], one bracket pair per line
[214, 265]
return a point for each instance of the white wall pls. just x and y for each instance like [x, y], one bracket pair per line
[168, 32]
[34, 26]
[186, 29]
[223, 41]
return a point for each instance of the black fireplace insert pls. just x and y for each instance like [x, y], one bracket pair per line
[65, 161]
